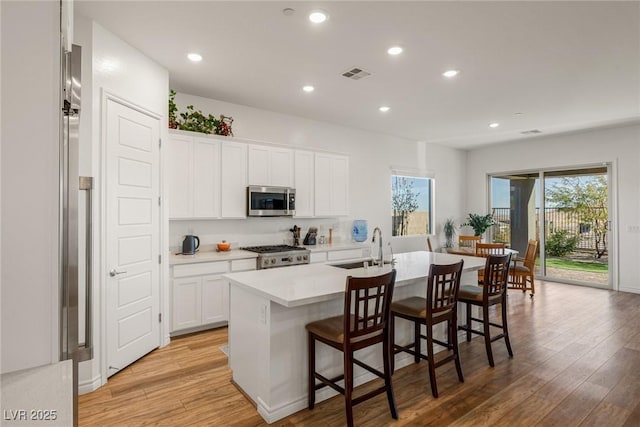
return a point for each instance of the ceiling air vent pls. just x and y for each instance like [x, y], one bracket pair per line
[356, 73]
[531, 132]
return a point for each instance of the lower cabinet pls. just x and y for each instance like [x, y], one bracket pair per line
[200, 296]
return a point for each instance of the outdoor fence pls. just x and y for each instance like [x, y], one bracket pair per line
[555, 220]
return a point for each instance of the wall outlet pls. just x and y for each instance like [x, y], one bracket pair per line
[263, 314]
[633, 228]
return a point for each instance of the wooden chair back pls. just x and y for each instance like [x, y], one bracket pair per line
[486, 249]
[530, 255]
[443, 285]
[468, 241]
[496, 275]
[370, 300]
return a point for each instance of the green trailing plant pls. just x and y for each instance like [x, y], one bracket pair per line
[173, 110]
[196, 121]
[479, 223]
[449, 230]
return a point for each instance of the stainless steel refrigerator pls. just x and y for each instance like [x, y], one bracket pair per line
[72, 346]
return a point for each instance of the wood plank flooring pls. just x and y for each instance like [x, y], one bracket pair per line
[576, 363]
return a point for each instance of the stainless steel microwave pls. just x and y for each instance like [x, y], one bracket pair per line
[271, 201]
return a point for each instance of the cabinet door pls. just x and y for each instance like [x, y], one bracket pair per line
[187, 306]
[233, 180]
[303, 182]
[180, 176]
[206, 179]
[340, 185]
[322, 185]
[215, 299]
[259, 165]
[281, 167]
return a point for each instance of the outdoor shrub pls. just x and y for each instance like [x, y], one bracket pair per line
[560, 243]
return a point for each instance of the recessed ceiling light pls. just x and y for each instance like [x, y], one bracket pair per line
[318, 16]
[194, 57]
[287, 11]
[518, 114]
[384, 108]
[308, 88]
[450, 73]
[395, 50]
[494, 125]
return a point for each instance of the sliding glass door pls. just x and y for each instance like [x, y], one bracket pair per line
[567, 211]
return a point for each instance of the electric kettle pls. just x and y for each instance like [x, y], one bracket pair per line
[190, 244]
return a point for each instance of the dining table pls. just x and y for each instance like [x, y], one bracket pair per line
[470, 251]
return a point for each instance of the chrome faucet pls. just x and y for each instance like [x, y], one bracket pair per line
[373, 240]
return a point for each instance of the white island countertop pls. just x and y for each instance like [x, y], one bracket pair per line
[307, 284]
[211, 256]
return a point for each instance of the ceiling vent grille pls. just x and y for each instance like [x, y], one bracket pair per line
[356, 73]
[531, 132]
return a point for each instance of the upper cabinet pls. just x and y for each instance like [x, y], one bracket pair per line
[234, 180]
[207, 177]
[270, 166]
[193, 177]
[331, 186]
[303, 181]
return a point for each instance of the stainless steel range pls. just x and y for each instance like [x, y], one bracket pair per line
[272, 256]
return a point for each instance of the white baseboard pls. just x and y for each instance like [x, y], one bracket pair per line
[90, 385]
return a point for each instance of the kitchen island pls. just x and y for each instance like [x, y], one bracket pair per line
[268, 311]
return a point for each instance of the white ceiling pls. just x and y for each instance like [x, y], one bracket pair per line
[563, 65]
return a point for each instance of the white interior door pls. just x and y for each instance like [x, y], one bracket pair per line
[132, 234]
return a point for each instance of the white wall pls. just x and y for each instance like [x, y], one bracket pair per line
[113, 66]
[30, 135]
[371, 158]
[620, 145]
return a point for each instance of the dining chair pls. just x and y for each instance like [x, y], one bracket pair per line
[493, 291]
[521, 275]
[440, 305]
[367, 325]
[468, 241]
[486, 249]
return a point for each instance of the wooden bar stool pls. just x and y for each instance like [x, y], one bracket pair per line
[370, 298]
[493, 291]
[486, 249]
[439, 306]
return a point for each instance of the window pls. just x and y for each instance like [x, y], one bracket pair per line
[411, 205]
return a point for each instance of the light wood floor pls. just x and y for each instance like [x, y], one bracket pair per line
[576, 362]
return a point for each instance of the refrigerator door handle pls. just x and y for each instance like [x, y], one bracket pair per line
[86, 352]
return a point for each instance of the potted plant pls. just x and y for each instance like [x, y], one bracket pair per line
[173, 110]
[479, 223]
[449, 230]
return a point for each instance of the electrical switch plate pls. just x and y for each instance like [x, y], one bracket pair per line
[633, 228]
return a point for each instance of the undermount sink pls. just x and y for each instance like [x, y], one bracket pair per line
[357, 264]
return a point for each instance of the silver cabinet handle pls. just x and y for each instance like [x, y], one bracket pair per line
[114, 272]
[86, 352]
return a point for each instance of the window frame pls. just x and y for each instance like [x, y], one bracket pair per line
[415, 174]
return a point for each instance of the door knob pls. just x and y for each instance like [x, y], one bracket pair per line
[114, 272]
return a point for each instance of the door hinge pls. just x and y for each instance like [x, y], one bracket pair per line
[159, 201]
[159, 259]
[159, 317]
[160, 142]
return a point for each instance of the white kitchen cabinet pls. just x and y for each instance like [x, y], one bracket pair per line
[304, 182]
[215, 299]
[187, 306]
[193, 177]
[270, 166]
[331, 185]
[233, 180]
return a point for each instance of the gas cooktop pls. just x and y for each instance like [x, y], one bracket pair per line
[271, 249]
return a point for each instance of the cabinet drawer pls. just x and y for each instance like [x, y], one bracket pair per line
[200, 268]
[318, 257]
[243, 264]
[346, 254]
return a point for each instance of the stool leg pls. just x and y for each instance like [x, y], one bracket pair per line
[348, 386]
[392, 340]
[311, 370]
[416, 342]
[453, 331]
[431, 360]
[487, 336]
[505, 327]
[468, 322]
[386, 356]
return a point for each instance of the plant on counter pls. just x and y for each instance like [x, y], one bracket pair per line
[195, 120]
[449, 230]
[479, 223]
